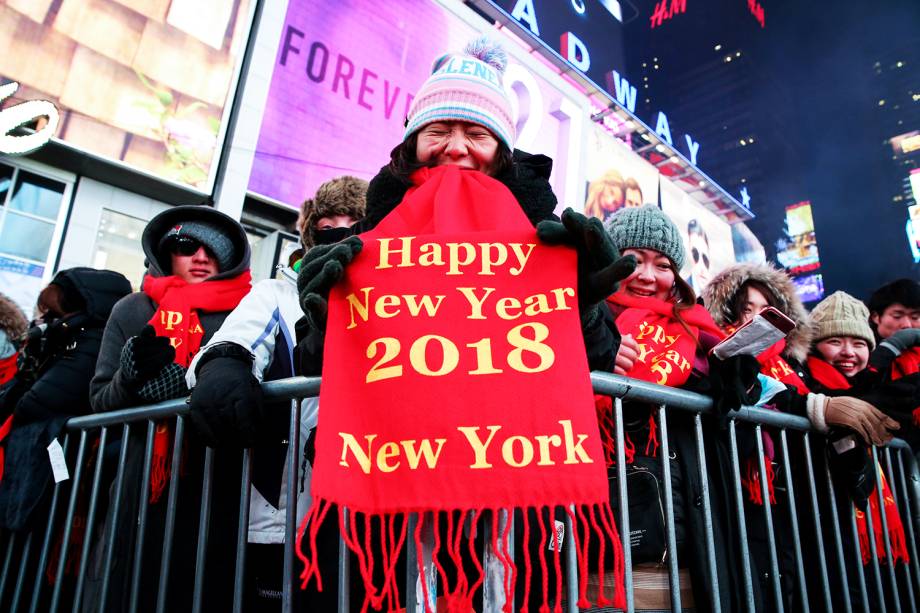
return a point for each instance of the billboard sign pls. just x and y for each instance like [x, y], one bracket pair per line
[616, 177]
[345, 80]
[146, 83]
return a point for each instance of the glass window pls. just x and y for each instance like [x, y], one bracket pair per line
[118, 246]
[26, 237]
[6, 179]
[37, 195]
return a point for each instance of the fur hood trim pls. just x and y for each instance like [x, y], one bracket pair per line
[720, 292]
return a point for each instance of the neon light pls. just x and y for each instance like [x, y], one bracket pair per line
[22, 114]
[757, 11]
[666, 9]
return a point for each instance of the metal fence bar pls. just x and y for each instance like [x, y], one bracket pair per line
[46, 543]
[913, 575]
[142, 520]
[242, 535]
[6, 562]
[873, 558]
[21, 577]
[624, 502]
[344, 585]
[571, 565]
[860, 569]
[794, 521]
[68, 524]
[415, 602]
[493, 587]
[819, 536]
[169, 529]
[768, 518]
[739, 516]
[673, 572]
[115, 508]
[707, 514]
[893, 483]
[90, 520]
[291, 514]
[886, 540]
[204, 518]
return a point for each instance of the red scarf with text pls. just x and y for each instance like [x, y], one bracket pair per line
[831, 378]
[176, 317]
[455, 383]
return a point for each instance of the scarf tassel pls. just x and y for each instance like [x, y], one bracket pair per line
[916, 415]
[896, 536]
[751, 480]
[159, 469]
[449, 528]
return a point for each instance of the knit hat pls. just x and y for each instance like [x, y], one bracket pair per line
[208, 235]
[840, 314]
[646, 227]
[344, 195]
[466, 87]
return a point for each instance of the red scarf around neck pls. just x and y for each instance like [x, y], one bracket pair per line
[176, 317]
[8, 368]
[774, 365]
[453, 348]
[825, 374]
[666, 349]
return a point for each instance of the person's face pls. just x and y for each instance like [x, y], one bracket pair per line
[847, 354]
[699, 252]
[191, 261]
[335, 221]
[753, 304]
[653, 276]
[896, 317]
[457, 143]
[633, 198]
[612, 198]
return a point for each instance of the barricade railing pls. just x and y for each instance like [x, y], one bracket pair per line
[28, 559]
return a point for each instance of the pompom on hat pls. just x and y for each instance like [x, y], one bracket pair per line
[646, 227]
[840, 314]
[468, 87]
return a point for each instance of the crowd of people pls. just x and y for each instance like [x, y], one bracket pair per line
[199, 328]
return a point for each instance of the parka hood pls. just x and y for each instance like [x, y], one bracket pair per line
[12, 320]
[99, 289]
[721, 291]
[161, 224]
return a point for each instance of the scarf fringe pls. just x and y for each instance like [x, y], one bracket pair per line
[896, 537]
[385, 544]
[751, 480]
[160, 466]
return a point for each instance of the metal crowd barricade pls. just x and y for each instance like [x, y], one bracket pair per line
[26, 558]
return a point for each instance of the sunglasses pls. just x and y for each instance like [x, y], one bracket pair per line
[186, 246]
[696, 257]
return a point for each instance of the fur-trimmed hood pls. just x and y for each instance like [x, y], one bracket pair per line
[12, 320]
[721, 291]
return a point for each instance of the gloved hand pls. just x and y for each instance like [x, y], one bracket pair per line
[226, 402]
[850, 465]
[145, 355]
[735, 382]
[869, 423]
[169, 384]
[321, 268]
[902, 340]
[600, 265]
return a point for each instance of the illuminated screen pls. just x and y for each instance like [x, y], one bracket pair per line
[616, 176]
[913, 231]
[810, 288]
[915, 184]
[799, 219]
[145, 85]
[343, 82]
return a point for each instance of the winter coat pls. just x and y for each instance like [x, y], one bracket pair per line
[51, 387]
[263, 324]
[110, 391]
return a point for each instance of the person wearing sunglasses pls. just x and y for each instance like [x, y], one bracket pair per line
[197, 273]
[700, 272]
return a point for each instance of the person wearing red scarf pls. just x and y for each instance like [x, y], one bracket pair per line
[198, 271]
[666, 337]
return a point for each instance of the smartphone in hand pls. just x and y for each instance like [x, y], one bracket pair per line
[764, 330]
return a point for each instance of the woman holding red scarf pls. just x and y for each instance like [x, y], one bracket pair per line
[666, 337]
[198, 271]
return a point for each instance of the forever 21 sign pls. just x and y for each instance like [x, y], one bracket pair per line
[20, 115]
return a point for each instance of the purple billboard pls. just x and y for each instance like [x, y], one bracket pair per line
[344, 78]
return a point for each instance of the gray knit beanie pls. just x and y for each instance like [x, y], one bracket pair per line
[646, 227]
[840, 314]
[208, 235]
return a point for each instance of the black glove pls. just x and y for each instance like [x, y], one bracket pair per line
[735, 383]
[321, 268]
[145, 355]
[851, 466]
[600, 266]
[169, 384]
[226, 402]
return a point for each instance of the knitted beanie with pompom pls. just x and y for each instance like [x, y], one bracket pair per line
[466, 87]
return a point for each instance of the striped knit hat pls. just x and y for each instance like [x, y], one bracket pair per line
[466, 87]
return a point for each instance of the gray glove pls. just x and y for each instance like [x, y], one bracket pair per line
[902, 340]
[321, 268]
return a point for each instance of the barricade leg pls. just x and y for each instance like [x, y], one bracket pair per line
[344, 585]
[886, 540]
[291, 514]
[115, 508]
[21, 576]
[673, 573]
[204, 523]
[239, 575]
[913, 569]
[624, 502]
[68, 523]
[893, 483]
[819, 536]
[768, 518]
[707, 513]
[873, 558]
[794, 522]
[739, 511]
[170, 528]
[138, 565]
[7, 559]
[860, 569]
[90, 521]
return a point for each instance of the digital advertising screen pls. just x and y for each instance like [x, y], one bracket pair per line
[707, 238]
[915, 184]
[616, 177]
[143, 82]
[810, 288]
[913, 231]
[344, 79]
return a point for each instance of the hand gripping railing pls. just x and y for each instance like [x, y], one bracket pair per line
[819, 530]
